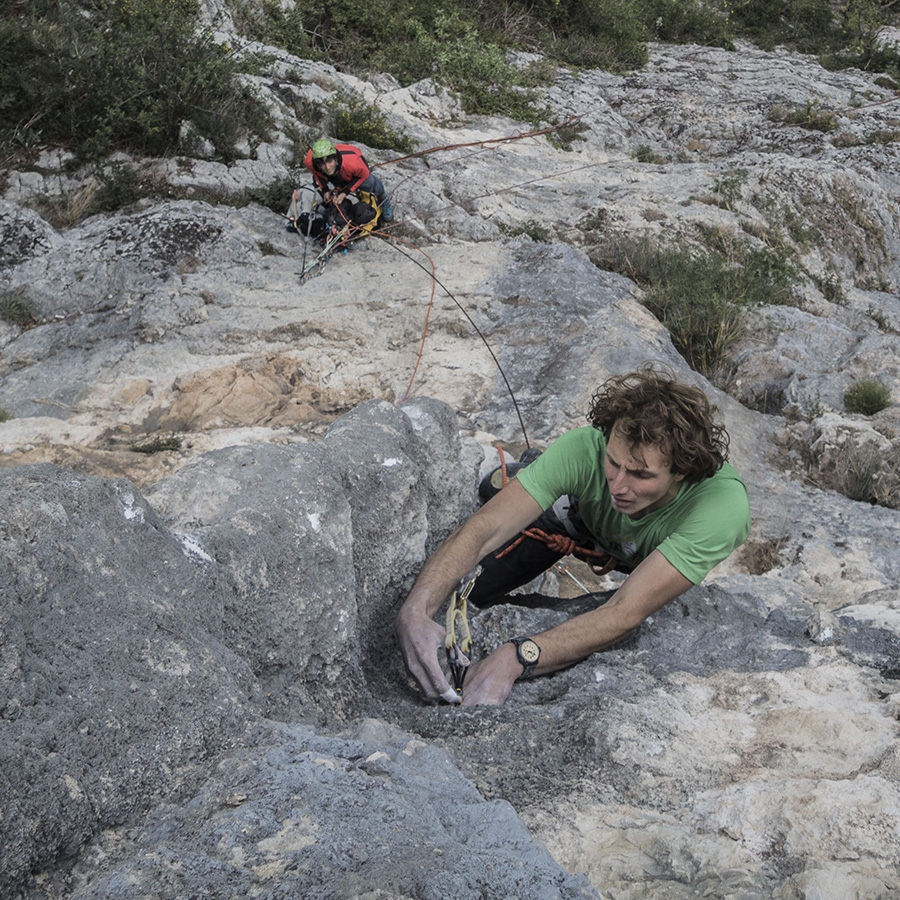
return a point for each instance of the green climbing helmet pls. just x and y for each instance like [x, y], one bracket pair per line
[323, 149]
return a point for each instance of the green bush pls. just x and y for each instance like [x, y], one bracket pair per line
[805, 25]
[275, 196]
[451, 49]
[120, 185]
[645, 154]
[356, 121]
[5, 415]
[158, 445]
[696, 298]
[811, 117]
[97, 75]
[867, 397]
[272, 23]
[688, 21]
[701, 296]
[539, 233]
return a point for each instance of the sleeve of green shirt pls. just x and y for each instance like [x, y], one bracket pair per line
[715, 521]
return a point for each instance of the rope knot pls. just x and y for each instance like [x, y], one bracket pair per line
[559, 543]
[599, 561]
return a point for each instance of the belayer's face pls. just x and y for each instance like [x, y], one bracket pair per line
[639, 478]
[328, 165]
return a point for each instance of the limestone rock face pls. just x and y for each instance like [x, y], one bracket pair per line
[217, 484]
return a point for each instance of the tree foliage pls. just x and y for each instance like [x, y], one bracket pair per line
[96, 75]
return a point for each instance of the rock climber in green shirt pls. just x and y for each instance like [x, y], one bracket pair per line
[646, 486]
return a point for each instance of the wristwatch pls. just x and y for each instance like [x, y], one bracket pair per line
[528, 653]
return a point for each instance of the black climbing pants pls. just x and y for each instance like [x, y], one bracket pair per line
[530, 558]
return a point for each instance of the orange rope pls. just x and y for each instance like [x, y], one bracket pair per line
[501, 140]
[502, 465]
[600, 562]
[412, 377]
[354, 232]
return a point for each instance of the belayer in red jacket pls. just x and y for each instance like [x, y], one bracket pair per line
[341, 169]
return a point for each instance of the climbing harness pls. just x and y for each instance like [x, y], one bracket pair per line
[599, 561]
[458, 639]
[306, 221]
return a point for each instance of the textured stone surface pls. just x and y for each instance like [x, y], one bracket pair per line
[200, 693]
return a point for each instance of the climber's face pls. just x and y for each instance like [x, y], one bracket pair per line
[639, 478]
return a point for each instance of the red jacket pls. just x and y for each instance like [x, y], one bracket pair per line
[351, 172]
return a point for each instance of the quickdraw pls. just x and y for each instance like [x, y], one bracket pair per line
[458, 639]
[337, 241]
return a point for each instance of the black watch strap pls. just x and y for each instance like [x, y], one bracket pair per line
[528, 653]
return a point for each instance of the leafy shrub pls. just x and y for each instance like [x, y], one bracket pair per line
[120, 185]
[688, 21]
[693, 296]
[645, 154]
[453, 51]
[805, 25]
[158, 445]
[730, 188]
[275, 196]
[356, 121]
[867, 397]
[276, 24]
[5, 415]
[810, 117]
[539, 233]
[565, 136]
[96, 76]
[701, 296]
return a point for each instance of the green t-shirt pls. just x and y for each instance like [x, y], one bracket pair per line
[694, 531]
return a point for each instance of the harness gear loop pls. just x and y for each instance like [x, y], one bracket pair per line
[458, 637]
[599, 561]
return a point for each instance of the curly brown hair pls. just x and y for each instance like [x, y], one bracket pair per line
[649, 407]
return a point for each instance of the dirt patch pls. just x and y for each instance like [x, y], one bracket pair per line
[274, 393]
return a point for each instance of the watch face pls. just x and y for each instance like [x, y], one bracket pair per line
[529, 651]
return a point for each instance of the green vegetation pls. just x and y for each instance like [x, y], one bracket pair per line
[99, 75]
[539, 233]
[729, 188]
[811, 117]
[702, 296]
[867, 397]
[644, 154]
[356, 121]
[267, 248]
[16, 309]
[857, 480]
[143, 76]
[5, 415]
[158, 445]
